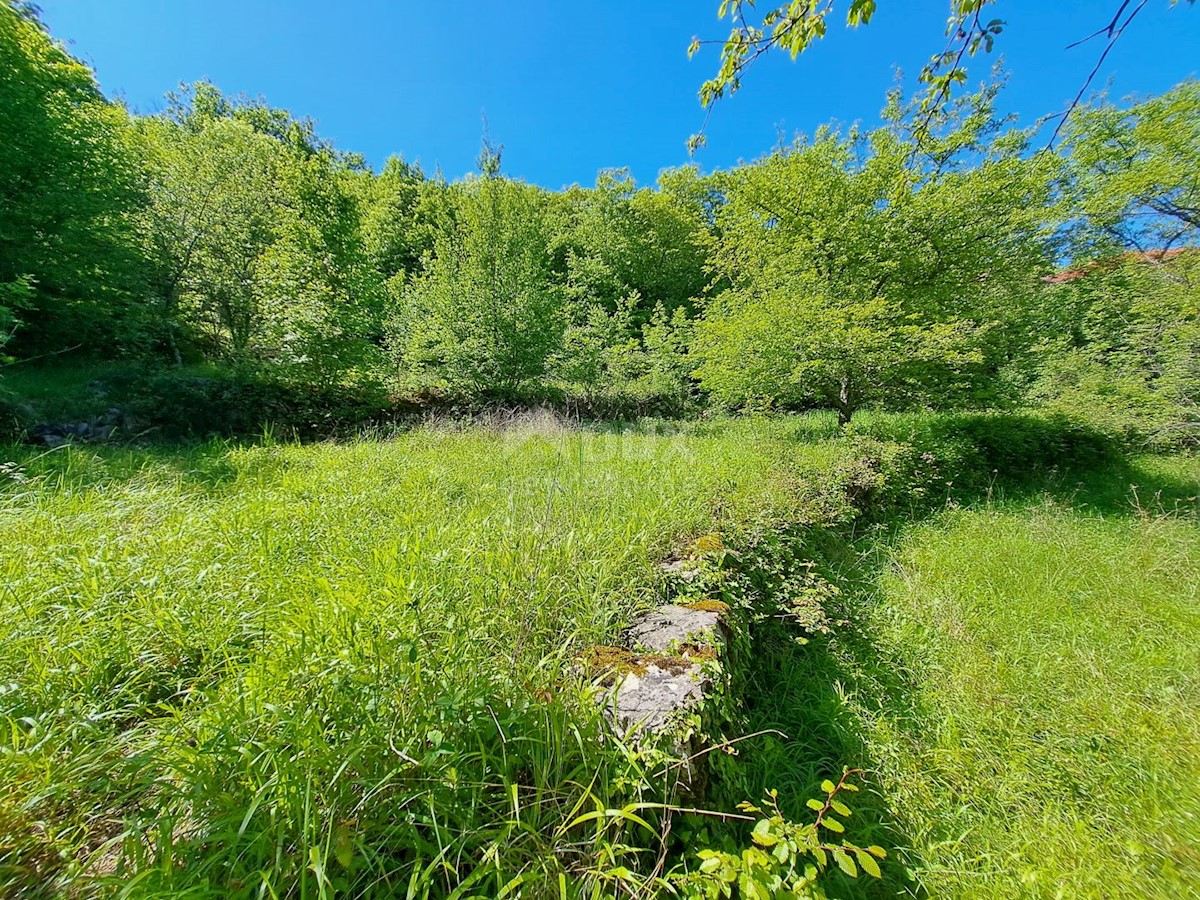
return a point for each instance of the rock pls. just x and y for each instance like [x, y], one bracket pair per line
[683, 569]
[100, 428]
[662, 676]
[669, 627]
[649, 700]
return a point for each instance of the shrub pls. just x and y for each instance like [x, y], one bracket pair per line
[241, 404]
[920, 460]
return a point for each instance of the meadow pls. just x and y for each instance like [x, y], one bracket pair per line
[286, 670]
[333, 492]
[1045, 740]
[1018, 673]
[275, 669]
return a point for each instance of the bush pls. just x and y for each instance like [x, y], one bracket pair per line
[921, 460]
[234, 404]
[10, 418]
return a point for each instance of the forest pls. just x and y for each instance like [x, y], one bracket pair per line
[329, 497]
[962, 266]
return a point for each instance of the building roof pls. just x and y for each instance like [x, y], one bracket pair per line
[1141, 256]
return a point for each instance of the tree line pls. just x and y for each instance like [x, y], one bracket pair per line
[910, 265]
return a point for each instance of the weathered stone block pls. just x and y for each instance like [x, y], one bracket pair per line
[671, 627]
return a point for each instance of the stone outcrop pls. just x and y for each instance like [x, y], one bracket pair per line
[98, 428]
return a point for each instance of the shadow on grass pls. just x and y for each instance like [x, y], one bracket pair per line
[208, 466]
[801, 689]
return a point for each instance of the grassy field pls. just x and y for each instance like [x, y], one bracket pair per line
[284, 670]
[336, 669]
[1023, 679]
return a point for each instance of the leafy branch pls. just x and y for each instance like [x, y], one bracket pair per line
[785, 859]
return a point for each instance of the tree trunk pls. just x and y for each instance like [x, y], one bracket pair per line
[170, 304]
[845, 403]
[176, 357]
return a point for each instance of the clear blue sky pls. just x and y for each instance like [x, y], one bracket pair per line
[573, 87]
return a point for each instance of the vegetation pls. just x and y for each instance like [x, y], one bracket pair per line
[293, 669]
[1017, 675]
[897, 268]
[338, 669]
[321, 488]
[796, 25]
[1040, 663]
[827, 248]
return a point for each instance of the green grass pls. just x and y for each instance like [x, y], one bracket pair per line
[286, 670]
[1025, 688]
[337, 669]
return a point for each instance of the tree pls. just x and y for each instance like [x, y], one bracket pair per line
[1134, 182]
[1121, 347]
[619, 240]
[862, 271]
[255, 240]
[67, 191]
[1121, 344]
[485, 315]
[794, 26]
[213, 210]
[395, 224]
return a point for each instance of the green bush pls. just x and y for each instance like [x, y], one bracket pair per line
[914, 462]
[234, 404]
[10, 418]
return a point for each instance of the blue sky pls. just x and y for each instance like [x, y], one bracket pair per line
[574, 87]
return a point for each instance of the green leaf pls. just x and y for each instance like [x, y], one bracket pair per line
[828, 786]
[815, 805]
[845, 862]
[833, 824]
[841, 808]
[762, 834]
[867, 861]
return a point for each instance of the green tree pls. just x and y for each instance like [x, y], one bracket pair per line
[794, 26]
[1134, 182]
[864, 272]
[632, 263]
[485, 315]
[215, 202]
[256, 242]
[1120, 341]
[67, 191]
[619, 240]
[1122, 348]
[397, 238]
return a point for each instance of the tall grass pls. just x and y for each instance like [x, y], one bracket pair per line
[337, 669]
[1025, 685]
[298, 671]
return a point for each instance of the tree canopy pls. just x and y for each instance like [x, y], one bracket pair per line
[910, 265]
[793, 27]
